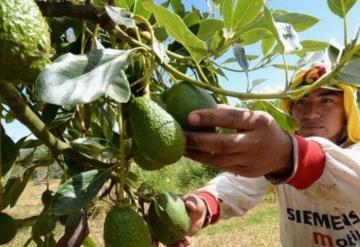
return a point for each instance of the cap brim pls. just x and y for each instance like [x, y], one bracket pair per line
[332, 88]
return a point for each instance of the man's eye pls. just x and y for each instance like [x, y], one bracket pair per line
[327, 101]
[301, 102]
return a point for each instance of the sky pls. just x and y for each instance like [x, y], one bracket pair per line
[330, 26]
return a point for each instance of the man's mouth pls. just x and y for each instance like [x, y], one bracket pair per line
[308, 126]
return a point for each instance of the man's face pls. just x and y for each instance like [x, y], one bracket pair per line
[321, 113]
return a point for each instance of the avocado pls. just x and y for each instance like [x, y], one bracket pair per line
[24, 41]
[8, 228]
[46, 197]
[156, 134]
[168, 218]
[126, 228]
[143, 161]
[184, 98]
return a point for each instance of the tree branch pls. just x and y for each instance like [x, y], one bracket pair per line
[85, 12]
[13, 99]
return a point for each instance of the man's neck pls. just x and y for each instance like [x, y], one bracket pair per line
[342, 140]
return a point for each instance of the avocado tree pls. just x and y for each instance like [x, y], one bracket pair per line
[105, 86]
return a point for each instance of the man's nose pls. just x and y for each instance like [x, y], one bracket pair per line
[312, 112]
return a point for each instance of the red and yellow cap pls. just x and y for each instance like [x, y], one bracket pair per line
[309, 76]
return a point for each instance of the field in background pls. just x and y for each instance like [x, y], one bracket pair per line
[258, 228]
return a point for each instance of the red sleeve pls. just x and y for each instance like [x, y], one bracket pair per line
[311, 163]
[213, 205]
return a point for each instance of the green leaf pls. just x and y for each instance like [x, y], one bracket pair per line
[350, 73]
[120, 16]
[43, 225]
[160, 51]
[310, 58]
[127, 4]
[140, 10]
[282, 66]
[288, 38]
[216, 42]
[300, 22]
[284, 33]
[226, 9]
[77, 79]
[89, 242]
[61, 119]
[49, 113]
[175, 27]
[106, 119]
[15, 186]
[284, 120]
[96, 148]
[267, 44]
[233, 59]
[192, 18]
[239, 53]
[340, 7]
[73, 167]
[77, 192]
[334, 53]
[25, 159]
[254, 35]
[207, 28]
[160, 33]
[257, 82]
[238, 13]
[8, 152]
[270, 24]
[178, 7]
[314, 45]
[244, 12]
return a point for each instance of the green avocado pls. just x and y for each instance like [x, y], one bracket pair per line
[168, 218]
[24, 41]
[8, 228]
[143, 161]
[156, 134]
[184, 98]
[126, 228]
[46, 197]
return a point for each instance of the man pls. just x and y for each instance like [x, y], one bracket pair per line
[316, 171]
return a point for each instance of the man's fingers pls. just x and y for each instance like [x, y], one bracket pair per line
[202, 157]
[225, 162]
[197, 211]
[190, 206]
[221, 143]
[233, 118]
[214, 143]
[187, 241]
[183, 243]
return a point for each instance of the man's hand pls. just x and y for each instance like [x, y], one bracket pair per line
[257, 147]
[197, 211]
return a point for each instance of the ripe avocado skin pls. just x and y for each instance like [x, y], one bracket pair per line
[184, 98]
[156, 134]
[7, 228]
[168, 218]
[24, 41]
[126, 228]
